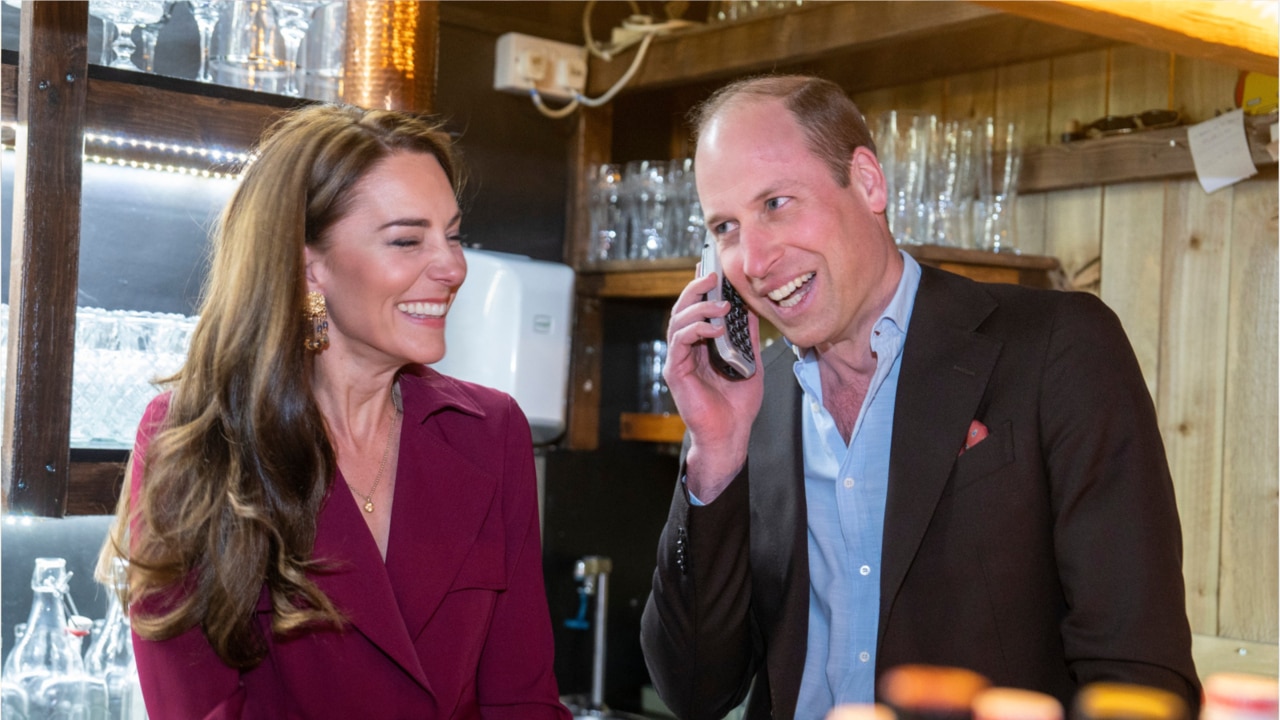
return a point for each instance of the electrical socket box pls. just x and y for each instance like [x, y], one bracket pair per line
[523, 62]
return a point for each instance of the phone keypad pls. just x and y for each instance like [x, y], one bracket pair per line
[736, 321]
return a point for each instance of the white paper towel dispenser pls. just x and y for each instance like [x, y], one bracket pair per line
[509, 328]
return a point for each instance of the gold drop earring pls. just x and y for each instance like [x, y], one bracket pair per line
[317, 317]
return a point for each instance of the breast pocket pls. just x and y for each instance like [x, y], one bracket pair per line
[984, 459]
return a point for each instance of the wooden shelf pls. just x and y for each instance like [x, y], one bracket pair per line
[859, 45]
[636, 279]
[882, 43]
[1151, 155]
[648, 427]
[143, 106]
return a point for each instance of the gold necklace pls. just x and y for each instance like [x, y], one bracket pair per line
[386, 452]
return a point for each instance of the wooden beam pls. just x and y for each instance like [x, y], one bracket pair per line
[868, 44]
[52, 88]
[1243, 35]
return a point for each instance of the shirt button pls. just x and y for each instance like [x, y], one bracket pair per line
[865, 570]
[864, 656]
[848, 482]
[815, 407]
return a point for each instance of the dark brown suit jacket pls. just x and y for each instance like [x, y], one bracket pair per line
[1046, 557]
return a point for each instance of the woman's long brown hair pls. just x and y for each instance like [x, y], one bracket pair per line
[234, 478]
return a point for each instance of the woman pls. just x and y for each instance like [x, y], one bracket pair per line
[320, 526]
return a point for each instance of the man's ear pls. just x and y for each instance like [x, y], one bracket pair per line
[866, 173]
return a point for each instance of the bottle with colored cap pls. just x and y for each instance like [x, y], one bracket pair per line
[861, 711]
[1123, 701]
[931, 692]
[1239, 696]
[1002, 703]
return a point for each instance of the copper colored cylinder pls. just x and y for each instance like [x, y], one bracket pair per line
[391, 52]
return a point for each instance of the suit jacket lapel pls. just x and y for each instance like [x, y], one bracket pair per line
[779, 525]
[945, 368]
[776, 477]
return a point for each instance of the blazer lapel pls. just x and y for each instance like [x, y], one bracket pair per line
[945, 368]
[778, 429]
[357, 582]
[440, 509]
[779, 526]
[442, 498]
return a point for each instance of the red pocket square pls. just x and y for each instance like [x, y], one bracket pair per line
[977, 433]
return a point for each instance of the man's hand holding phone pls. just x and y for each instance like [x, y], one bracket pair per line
[717, 407]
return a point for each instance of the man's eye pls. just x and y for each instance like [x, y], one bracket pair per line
[775, 203]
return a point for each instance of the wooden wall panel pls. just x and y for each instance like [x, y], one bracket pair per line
[1202, 88]
[1248, 599]
[1022, 95]
[1190, 400]
[926, 97]
[1073, 218]
[971, 96]
[1132, 214]
[874, 102]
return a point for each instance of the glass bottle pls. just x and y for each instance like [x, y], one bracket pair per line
[931, 692]
[1240, 696]
[110, 654]
[1124, 701]
[46, 662]
[1003, 703]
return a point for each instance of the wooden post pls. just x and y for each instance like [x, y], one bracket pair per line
[52, 84]
[590, 144]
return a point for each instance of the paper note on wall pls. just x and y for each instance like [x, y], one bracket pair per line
[1220, 151]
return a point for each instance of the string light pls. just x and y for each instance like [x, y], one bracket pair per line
[161, 167]
[120, 141]
[218, 156]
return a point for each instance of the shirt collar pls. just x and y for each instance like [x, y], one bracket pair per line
[897, 312]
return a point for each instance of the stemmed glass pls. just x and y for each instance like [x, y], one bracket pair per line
[206, 14]
[127, 14]
[293, 18]
[151, 34]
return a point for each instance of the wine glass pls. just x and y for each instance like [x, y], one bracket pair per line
[127, 14]
[293, 17]
[206, 14]
[151, 34]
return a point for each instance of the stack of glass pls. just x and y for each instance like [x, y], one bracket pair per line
[644, 210]
[119, 354]
[951, 183]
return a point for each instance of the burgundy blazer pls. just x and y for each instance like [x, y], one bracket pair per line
[1046, 557]
[454, 624]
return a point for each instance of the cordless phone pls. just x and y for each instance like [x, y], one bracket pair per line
[730, 353]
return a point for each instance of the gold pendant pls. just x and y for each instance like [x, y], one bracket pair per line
[368, 506]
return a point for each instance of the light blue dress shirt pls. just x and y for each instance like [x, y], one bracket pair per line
[845, 491]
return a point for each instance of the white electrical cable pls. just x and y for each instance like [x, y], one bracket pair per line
[580, 99]
[600, 50]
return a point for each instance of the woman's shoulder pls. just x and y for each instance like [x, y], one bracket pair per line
[157, 410]
[433, 390]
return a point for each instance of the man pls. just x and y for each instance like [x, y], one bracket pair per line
[929, 470]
